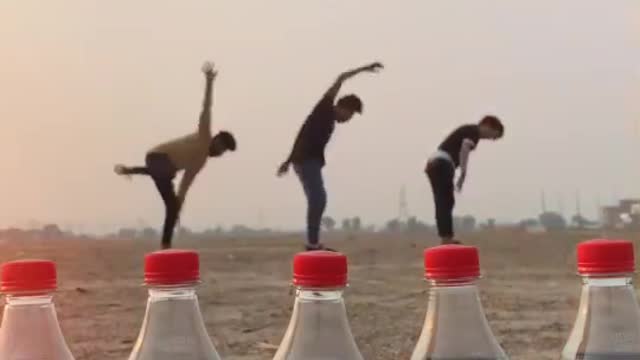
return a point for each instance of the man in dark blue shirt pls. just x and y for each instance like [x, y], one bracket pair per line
[307, 155]
[454, 153]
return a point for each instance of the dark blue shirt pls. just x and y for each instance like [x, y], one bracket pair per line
[453, 143]
[315, 133]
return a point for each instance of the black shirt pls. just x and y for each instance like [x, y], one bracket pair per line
[453, 143]
[315, 133]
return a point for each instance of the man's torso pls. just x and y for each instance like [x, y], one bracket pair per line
[315, 133]
[187, 152]
[453, 143]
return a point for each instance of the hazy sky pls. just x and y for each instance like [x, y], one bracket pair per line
[85, 84]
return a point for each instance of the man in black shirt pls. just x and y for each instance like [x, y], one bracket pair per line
[307, 154]
[441, 167]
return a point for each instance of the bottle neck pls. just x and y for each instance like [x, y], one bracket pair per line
[173, 326]
[448, 283]
[608, 317]
[448, 296]
[178, 293]
[319, 295]
[39, 300]
[319, 328]
[604, 281]
[455, 325]
[31, 327]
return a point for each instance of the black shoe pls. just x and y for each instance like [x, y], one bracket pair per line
[311, 247]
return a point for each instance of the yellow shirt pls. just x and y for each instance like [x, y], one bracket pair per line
[189, 153]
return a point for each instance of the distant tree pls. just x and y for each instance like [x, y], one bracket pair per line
[149, 233]
[127, 233]
[552, 221]
[356, 224]
[393, 225]
[468, 223]
[329, 223]
[412, 224]
[346, 225]
[579, 221]
[240, 230]
[416, 226]
[51, 231]
[184, 232]
[491, 224]
[464, 224]
[527, 223]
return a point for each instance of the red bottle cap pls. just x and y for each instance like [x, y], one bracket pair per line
[320, 269]
[32, 275]
[450, 262]
[171, 267]
[605, 257]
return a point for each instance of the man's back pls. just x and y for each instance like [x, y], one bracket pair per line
[186, 152]
[315, 133]
[453, 143]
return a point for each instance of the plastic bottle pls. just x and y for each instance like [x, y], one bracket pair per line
[173, 328]
[319, 328]
[30, 328]
[607, 326]
[455, 326]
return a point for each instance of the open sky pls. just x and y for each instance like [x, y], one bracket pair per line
[85, 84]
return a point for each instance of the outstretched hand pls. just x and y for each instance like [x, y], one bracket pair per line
[374, 67]
[209, 70]
[283, 169]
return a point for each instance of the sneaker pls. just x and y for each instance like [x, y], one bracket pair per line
[315, 247]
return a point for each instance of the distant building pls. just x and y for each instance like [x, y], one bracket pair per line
[625, 214]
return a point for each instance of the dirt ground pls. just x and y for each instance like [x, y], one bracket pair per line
[529, 290]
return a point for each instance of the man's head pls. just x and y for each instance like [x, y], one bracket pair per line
[491, 128]
[346, 107]
[220, 143]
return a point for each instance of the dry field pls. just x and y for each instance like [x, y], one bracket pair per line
[529, 291]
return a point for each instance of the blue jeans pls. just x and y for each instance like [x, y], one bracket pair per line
[310, 174]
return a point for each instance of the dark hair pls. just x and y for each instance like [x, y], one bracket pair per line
[493, 123]
[227, 139]
[351, 102]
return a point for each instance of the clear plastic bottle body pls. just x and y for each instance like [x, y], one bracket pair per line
[455, 326]
[607, 326]
[173, 328]
[30, 330]
[318, 329]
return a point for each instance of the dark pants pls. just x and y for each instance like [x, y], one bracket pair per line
[441, 176]
[310, 174]
[161, 170]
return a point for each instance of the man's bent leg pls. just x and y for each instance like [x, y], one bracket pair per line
[136, 170]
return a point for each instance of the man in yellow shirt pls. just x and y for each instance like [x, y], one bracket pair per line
[188, 153]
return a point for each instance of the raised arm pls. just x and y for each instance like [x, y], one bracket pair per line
[335, 88]
[204, 125]
[330, 95]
